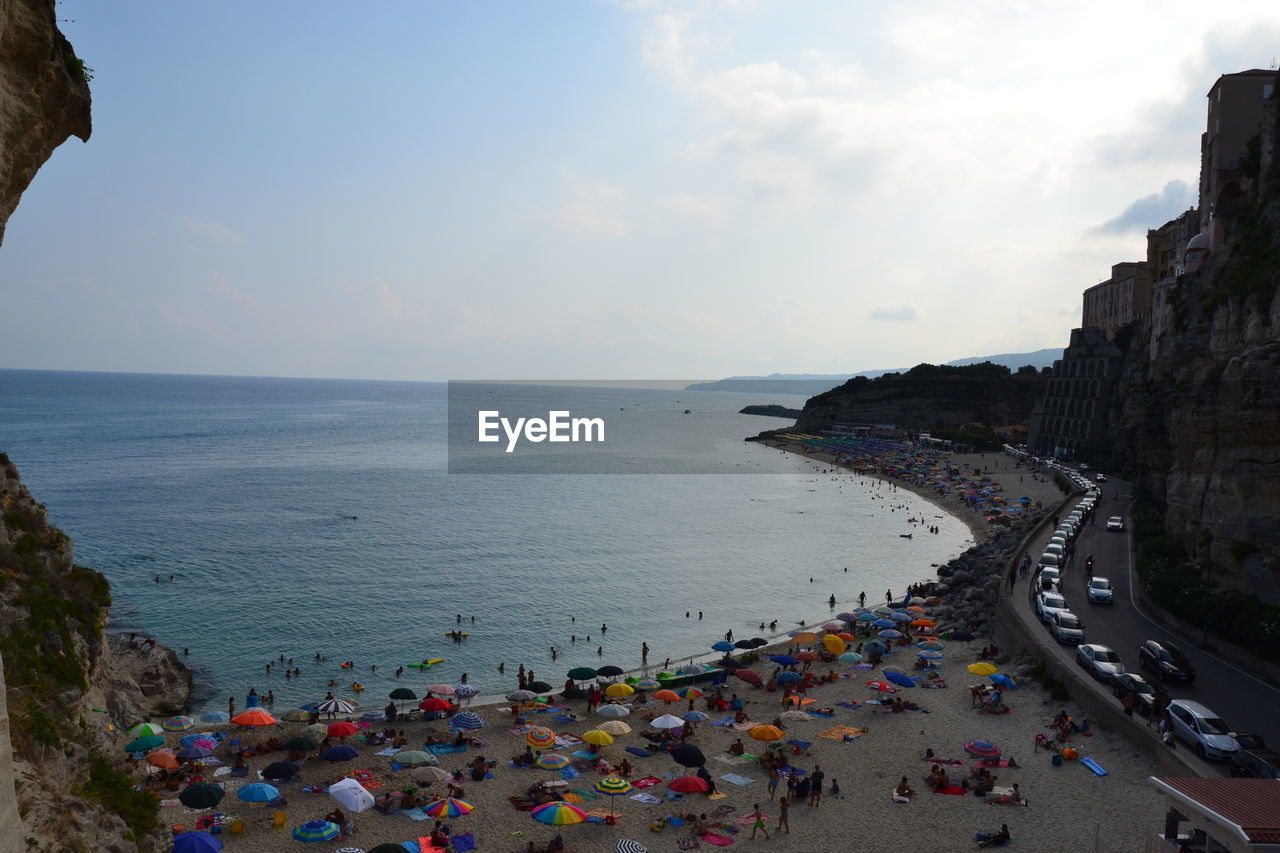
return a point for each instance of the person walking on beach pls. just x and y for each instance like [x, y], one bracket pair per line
[758, 825]
[784, 816]
[862, 599]
[644, 652]
[815, 785]
[888, 596]
[773, 780]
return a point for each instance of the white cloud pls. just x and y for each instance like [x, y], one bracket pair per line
[593, 207]
[895, 313]
[707, 209]
[215, 233]
[229, 292]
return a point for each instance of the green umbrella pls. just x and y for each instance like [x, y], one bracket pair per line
[412, 758]
[299, 744]
[146, 730]
[403, 693]
[582, 673]
[144, 744]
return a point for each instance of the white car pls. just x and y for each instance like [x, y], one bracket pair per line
[1049, 579]
[1103, 663]
[1050, 560]
[1067, 628]
[1208, 733]
[1115, 522]
[1100, 591]
[1049, 603]
[1056, 550]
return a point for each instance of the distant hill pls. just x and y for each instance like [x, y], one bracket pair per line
[811, 384]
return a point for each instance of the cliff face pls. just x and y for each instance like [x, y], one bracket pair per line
[929, 397]
[44, 96]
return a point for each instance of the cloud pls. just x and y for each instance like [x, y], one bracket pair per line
[215, 233]
[1150, 211]
[895, 313]
[228, 291]
[594, 207]
[710, 210]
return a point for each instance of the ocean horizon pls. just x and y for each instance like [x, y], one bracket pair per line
[307, 516]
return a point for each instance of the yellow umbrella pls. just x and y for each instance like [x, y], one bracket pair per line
[982, 668]
[833, 644]
[597, 737]
[615, 727]
[619, 689]
[804, 639]
[766, 733]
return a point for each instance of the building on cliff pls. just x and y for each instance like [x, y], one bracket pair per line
[1118, 301]
[1072, 414]
[1233, 118]
[1167, 259]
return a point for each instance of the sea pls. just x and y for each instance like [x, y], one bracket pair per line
[244, 519]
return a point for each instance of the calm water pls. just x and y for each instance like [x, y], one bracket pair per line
[245, 490]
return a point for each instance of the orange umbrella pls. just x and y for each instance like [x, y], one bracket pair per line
[766, 733]
[666, 695]
[916, 608]
[803, 639]
[163, 758]
[923, 623]
[810, 656]
[846, 636]
[254, 717]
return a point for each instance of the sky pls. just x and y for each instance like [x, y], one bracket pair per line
[447, 190]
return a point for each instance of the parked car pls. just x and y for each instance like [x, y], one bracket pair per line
[1166, 661]
[1256, 763]
[1101, 478]
[1049, 579]
[1048, 603]
[1100, 661]
[1058, 551]
[1058, 539]
[1050, 560]
[1144, 692]
[1100, 591]
[1114, 523]
[1067, 628]
[1206, 732]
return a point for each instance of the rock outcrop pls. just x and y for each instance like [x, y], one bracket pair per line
[44, 95]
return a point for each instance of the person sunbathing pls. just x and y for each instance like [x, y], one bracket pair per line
[937, 779]
[737, 747]
[904, 789]
[739, 717]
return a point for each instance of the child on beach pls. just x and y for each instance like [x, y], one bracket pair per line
[758, 825]
[835, 790]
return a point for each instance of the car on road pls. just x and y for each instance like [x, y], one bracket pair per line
[1067, 628]
[1101, 478]
[1100, 591]
[1144, 692]
[1206, 732]
[1115, 523]
[1048, 560]
[1049, 603]
[1100, 661]
[1256, 763]
[1049, 579]
[1167, 661]
[1058, 551]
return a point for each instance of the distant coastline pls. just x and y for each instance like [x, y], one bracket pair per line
[772, 411]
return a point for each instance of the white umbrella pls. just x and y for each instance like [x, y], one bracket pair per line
[336, 706]
[666, 721]
[427, 775]
[351, 795]
[613, 712]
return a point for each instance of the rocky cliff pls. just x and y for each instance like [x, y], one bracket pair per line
[44, 95]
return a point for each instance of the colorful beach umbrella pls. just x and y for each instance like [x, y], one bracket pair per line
[142, 730]
[690, 692]
[558, 814]
[540, 737]
[254, 718]
[804, 638]
[316, 830]
[694, 716]
[982, 668]
[341, 729]
[982, 749]
[884, 623]
[336, 706]
[930, 645]
[928, 654]
[617, 728]
[613, 786]
[449, 807]
[413, 758]
[807, 656]
[613, 712]
[901, 679]
[784, 660]
[198, 739]
[180, 723]
[552, 761]
[766, 733]
[619, 690]
[467, 721]
[645, 684]
[923, 623]
[1003, 680]
[833, 626]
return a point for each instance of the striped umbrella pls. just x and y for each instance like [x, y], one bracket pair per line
[254, 718]
[180, 723]
[373, 716]
[215, 717]
[198, 740]
[690, 693]
[297, 715]
[982, 749]
[558, 814]
[317, 830]
[540, 737]
[412, 758]
[619, 690]
[695, 716]
[429, 774]
[930, 645]
[467, 721]
[336, 706]
[616, 728]
[626, 845]
[466, 690]
[596, 737]
[644, 684]
[613, 712]
[552, 761]
[613, 786]
[449, 807]
[930, 655]
[146, 730]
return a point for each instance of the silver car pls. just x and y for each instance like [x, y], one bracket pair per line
[1067, 628]
[1100, 591]
[1100, 661]
[1049, 603]
[1207, 733]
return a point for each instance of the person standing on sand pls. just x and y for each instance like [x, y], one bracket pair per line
[888, 596]
[862, 599]
[784, 816]
[815, 785]
[773, 780]
[644, 652]
[758, 825]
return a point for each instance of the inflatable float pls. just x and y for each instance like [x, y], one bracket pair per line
[430, 663]
[456, 634]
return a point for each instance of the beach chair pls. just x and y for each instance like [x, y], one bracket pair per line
[278, 820]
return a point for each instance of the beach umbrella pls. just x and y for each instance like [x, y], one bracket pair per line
[281, 770]
[254, 718]
[582, 673]
[609, 671]
[467, 721]
[881, 686]
[690, 692]
[883, 610]
[743, 644]
[373, 716]
[1003, 680]
[574, 692]
[915, 599]
[342, 752]
[846, 636]
[297, 715]
[341, 729]
[316, 732]
[142, 730]
[789, 677]
[180, 723]
[923, 623]
[694, 716]
[901, 616]
[982, 668]
[757, 642]
[688, 785]
[540, 737]
[351, 795]
[597, 737]
[163, 758]
[198, 739]
[448, 807]
[435, 703]
[688, 755]
[258, 792]
[982, 749]
[521, 696]
[429, 774]
[402, 693]
[617, 728]
[884, 623]
[804, 638]
[316, 830]
[900, 679]
[300, 744]
[833, 644]
[552, 761]
[443, 689]
[929, 654]
[413, 758]
[850, 657]
[558, 814]
[930, 645]
[196, 842]
[626, 845]
[890, 634]
[613, 786]
[915, 608]
[784, 660]
[466, 691]
[766, 733]
[613, 711]
[867, 617]
[539, 687]
[833, 626]
[796, 715]
[847, 617]
[806, 656]
[646, 684]
[205, 795]
[666, 721]
[619, 690]
[724, 646]
[667, 696]
[749, 675]
[143, 744]
[191, 753]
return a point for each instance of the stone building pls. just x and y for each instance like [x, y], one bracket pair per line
[1234, 117]
[1072, 414]
[1166, 260]
[1119, 300]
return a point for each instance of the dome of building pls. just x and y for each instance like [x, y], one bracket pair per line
[1200, 241]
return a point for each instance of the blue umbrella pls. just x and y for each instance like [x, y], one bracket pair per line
[467, 721]
[899, 678]
[339, 753]
[1003, 680]
[867, 617]
[258, 792]
[216, 717]
[890, 633]
[901, 616]
[850, 657]
[723, 646]
[310, 706]
[874, 646]
[196, 842]
[190, 740]
[884, 623]
[784, 660]
[789, 677]
[194, 752]
[317, 830]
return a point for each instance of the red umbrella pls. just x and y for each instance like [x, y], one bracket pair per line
[341, 729]
[806, 656]
[749, 675]
[435, 703]
[688, 785]
[881, 686]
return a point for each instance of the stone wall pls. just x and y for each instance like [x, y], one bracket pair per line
[11, 831]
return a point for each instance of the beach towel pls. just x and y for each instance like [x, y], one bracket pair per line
[727, 721]
[748, 819]
[851, 705]
[315, 789]
[464, 842]
[567, 773]
[745, 726]
[444, 749]
[954, 790]
[584, 754]
[842, 732]
[638, 752]
[415, 814]
[562, 719]
[686, 842]
[820, 714]
[583, 794]
[721, 811]
[735, 759]
[801, 745]
[519, 731]
[646, 782]
[717, 840]
[642, 797]
[945, 762]
[735, 779]
[521, 804]
[994, 762]
[391, 750]
[571, 797]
